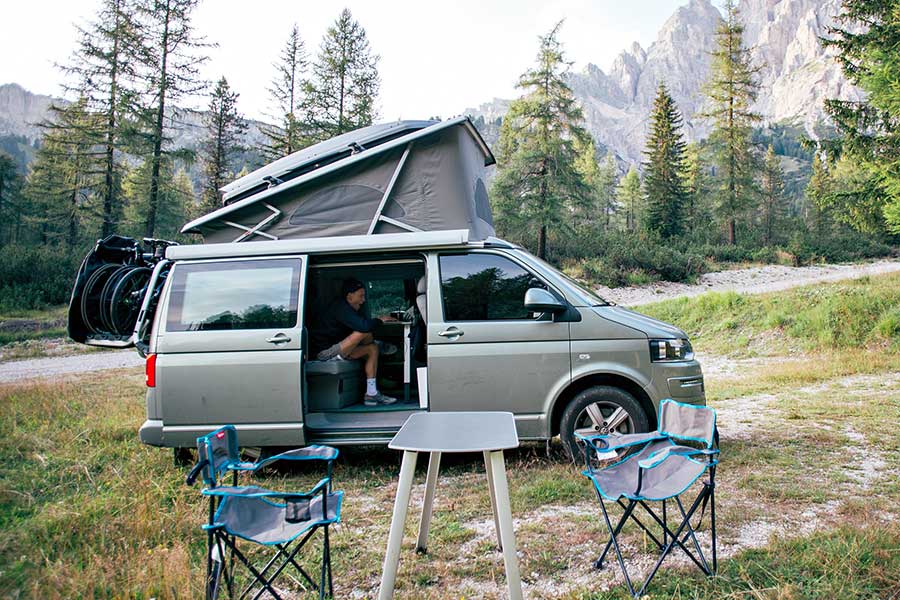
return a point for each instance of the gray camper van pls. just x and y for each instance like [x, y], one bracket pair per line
[403, 208]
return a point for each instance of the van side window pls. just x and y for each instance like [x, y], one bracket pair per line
[252, 294]
[484, 287]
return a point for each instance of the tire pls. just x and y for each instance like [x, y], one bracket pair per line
[106, 297]
[126, 299]
[608, 401]
[90, 297]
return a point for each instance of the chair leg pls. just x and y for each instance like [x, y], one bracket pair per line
[328, 552]
[612, 535]
[712, 518]
[259, 577]
[598, 564]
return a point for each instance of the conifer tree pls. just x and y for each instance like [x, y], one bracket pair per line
[224, 128]
[287, 95]
[664, 169]
[772, 188]
[818, 193]
[104, 68]
[10, 186]
[696, 186]
[607, 186]
[867, 47]
[731, 89]
[601, 180]
[631, 197]
[537, 183]
[171, 61]
[342, 92]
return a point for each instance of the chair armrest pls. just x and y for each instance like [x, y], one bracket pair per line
[615, 441]
[258, 492]
[315, 452]
[658, 457]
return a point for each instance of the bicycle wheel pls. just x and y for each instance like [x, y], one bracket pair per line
[106, 297]
[127, 298]
[90, 297]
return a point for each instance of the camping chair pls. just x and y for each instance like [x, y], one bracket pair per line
[281, 521]
[658, 466]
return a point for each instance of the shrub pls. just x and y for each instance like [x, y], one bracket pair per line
[35, 278]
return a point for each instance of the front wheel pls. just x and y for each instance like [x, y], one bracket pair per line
[601, 410]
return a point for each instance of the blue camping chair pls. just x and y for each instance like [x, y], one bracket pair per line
[282, 521]
[658, 466]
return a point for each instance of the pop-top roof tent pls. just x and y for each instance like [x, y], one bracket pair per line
[390, 178]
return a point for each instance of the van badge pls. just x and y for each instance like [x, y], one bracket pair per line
[584, 357]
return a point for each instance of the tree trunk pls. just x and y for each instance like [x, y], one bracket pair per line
[153, 200]
[542, 242]
[109, 199]
[731, 237]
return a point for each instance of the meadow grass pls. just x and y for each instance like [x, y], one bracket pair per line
[87, 511]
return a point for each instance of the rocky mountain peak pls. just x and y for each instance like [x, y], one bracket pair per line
[21, 111]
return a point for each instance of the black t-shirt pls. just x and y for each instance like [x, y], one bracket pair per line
[338, 321]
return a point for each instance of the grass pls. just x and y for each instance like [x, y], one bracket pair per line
[24, 325]
[88, 511]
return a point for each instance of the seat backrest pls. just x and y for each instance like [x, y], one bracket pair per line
[682, 421]
[421, 298]
[220, 448]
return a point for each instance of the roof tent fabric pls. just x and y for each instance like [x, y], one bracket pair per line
[434, 176]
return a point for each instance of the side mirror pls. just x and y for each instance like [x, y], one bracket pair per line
[541, 301]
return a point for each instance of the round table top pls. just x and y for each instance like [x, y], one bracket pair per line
[457, 432]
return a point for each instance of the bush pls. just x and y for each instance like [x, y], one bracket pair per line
[841, 246]
[36, 278]
[616, 259]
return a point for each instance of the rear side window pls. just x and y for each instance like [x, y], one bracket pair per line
[254, 294]
[484, 287]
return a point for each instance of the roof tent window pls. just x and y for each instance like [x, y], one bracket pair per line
[482, 204]
[339, 204]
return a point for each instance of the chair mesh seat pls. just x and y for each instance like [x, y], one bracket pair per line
[671, 478]
[263, 521]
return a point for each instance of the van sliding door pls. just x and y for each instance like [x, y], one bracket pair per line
[229, 349]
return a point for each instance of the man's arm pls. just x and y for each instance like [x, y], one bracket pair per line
[352, 319]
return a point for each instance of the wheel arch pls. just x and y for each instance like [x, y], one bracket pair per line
[595, 379]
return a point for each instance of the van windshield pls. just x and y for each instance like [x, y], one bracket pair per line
[588, 297]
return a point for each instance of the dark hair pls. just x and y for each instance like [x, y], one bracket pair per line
[350, 285]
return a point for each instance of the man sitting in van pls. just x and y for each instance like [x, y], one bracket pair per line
[343, 333]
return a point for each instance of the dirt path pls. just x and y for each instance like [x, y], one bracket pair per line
[58, 366]
[755, 280]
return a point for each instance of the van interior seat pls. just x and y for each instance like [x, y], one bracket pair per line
[333, 367]
[421, 302]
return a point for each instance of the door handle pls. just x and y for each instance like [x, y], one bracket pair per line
[452, 333]
[278, 338]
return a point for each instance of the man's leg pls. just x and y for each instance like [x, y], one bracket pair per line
[353, 341]
[370, 352]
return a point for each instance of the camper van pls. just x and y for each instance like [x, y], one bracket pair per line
[482, 323]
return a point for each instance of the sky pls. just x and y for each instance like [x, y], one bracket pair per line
[436, 59]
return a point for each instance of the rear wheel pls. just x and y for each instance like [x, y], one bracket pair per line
[126, 299]
[600, 410]
[91, 305]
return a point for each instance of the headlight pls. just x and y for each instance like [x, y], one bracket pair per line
[670, 350]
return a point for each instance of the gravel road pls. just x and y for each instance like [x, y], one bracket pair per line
[754, 280]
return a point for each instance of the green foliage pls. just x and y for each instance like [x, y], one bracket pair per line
[224, 128]
[664, 185]
[537, 183]
[631, 198]
[341, 94]
[10, 196]
[37, 277]
[287, 95]
[772, 207]
[617, 259]
[732, 89]
[867, 52]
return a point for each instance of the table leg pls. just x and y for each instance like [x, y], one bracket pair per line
[507, 535]
[490, 477]
[434, 464]
[398, 521]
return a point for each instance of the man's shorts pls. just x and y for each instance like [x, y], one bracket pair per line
[330, 353]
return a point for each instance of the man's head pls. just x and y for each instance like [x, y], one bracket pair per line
[354, 292]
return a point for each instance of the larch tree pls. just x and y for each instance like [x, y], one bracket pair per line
[697, 212]
[341, 95]
[631, 197]
[104, 73]
[664, 168]
[10, 187]
[772, 207]
[819, 193]
[286, 93]
[732, 89]
[599, 204]
[172, 55]
[224, 130]
[867, 46]
[537, 183]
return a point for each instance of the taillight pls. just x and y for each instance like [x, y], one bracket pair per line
[151, 370]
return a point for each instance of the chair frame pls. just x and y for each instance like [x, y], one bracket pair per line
[222, 547]
[684, 532]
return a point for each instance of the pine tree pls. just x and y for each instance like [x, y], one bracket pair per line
[537, 184]
[818, 194]
[664, 169]
[286, 93]
[732, 88]
[171, 61]
[224, 127]
[772, 187]
[607, 186]
[10, 187]
[631, 197]
[344, 87]
[867, 51]
[176, 198]
[104, 67]
[696, 185]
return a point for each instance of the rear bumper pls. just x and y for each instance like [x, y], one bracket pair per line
[154, 433]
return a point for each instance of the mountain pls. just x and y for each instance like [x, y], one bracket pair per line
[796, 73]
[21, 111]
